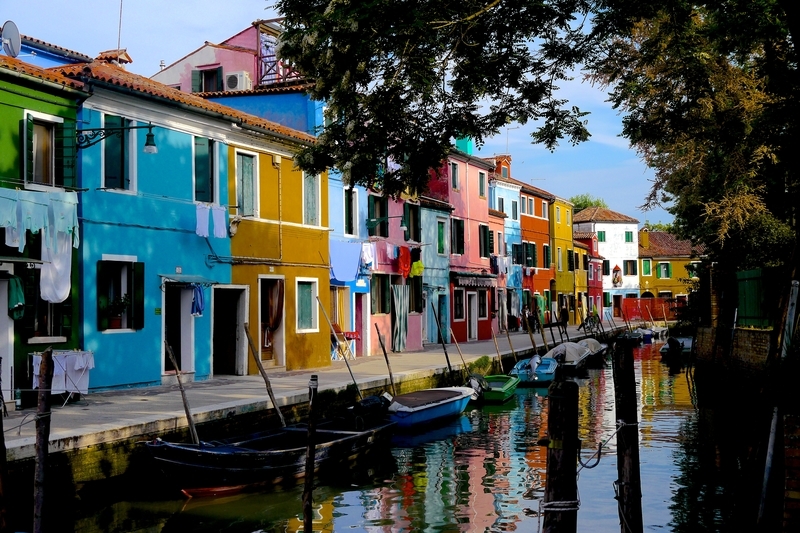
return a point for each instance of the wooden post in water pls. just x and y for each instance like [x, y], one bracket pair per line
[441, 336]
[42, 436]
[263, 372]
[308, 488]
[508, 336]
[386, 356]
[629, 483]
[464, 363]
[560, 504]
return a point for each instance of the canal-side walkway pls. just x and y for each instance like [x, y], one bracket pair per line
[107, 417]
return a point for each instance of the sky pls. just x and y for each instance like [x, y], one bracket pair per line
[155, 30]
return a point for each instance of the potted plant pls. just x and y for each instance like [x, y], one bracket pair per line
[116, 308]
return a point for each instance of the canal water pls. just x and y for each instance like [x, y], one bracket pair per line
[485, 472]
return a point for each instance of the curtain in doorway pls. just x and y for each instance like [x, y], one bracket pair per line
[400, 326]
[502, 312]
[272, 295]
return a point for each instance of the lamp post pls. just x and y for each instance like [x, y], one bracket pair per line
[373, 223]
[91, 136]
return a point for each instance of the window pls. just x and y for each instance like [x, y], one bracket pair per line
[570, 261]
[117, 154]
[458, 304]
[591, 273]
[601, 236]
[517, 254]
[501, 205]
[585, 261]
[350, 211]
[377, 209]
[530, 207]
[504, 172]
[646, 265]
[456, 236]
[524, 205]
[530, 254]
[628, 236]
[514, 215]
[545, 212]
[204, 170]
[49, 149]
[120, 294]
[664, 271]
[441, 228]
[482, 184]
[311, 207]
[501, 245]
[207, 80]
[454, 175]
[558, 259]
[629, 267]
[482, 304]
[606, 267]
[546, 254]
[411, 217]
[415, 301]
[380, 294]
[606, 299]
[306, 305]
[246, 183]
[485, 240]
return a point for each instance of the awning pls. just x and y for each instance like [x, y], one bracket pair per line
[188, 278]
[475, 280]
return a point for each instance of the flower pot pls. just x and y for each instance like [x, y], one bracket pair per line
[115, 322]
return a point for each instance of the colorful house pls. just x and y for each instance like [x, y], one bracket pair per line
[617, 242]
[39, 271]
[594, 272]
[537, 257]
[666, 264]
[562, 289]
[497, 220]
[504, 197]
[435, 218]
[471, 282]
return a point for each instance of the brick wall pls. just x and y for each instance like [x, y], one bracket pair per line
[749, 351]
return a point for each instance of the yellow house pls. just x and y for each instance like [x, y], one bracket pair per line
[562, 288]
[663, 264]
[280, 255]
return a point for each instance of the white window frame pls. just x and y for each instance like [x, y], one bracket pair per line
[569, 218]
[523, 208]
[353, 211]
[52, 120]
[215, 172]
[445, 236]
[463, 305]
[314, 308]
[132, 162]
[256, 182]
[501, 204]
[482, 184]
[558, 215]
[559, 261]
[454, 177]
[531, 207]
[545, 210]
[665, 266]
[318, 181]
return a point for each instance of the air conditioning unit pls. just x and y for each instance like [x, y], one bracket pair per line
[238, 81]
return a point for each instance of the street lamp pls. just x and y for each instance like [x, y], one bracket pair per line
[90, 137]
[374, 222]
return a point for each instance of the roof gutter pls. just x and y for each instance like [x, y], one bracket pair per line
[47, 83]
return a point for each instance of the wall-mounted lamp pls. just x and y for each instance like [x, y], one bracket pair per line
[90, 137]
[374, 222]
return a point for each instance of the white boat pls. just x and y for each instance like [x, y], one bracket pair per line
[597, 357]
[570, 356]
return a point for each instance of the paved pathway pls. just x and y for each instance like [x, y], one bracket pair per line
[117, 415]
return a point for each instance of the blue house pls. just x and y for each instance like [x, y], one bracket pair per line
[435, 217]
[504, 197]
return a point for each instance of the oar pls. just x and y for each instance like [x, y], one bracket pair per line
[263, 372]
[452, 336]
[189, 419]
[330, 325]
[386, 356]
[497, 349]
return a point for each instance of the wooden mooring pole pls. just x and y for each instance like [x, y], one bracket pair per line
[308, 488]
[262, 370]
[629, 484]
[561, 503]
[42, 437]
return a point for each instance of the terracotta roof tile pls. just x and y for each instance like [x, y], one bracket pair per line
[583, 234]
[114, 75]
[496, 213]
[663, 244]
[22, 67]
[601, 214]
[270, 89]
[30, 41]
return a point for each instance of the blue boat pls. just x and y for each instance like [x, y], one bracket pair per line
[422, 407]
[535, 372]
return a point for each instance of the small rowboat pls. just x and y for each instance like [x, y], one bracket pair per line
[535, 372]
[422, 407]
[495, 388]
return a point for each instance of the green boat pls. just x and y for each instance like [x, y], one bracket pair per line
[496, 388]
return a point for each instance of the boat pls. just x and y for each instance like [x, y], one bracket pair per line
[425, 406]
[494, 388]
[571, 356]
[677, 348]
[633, 336]
[266, 458]
[597, 349]
[535, 372]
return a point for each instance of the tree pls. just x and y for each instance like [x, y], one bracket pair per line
[659, 226]
[582, 201]
[402, 79]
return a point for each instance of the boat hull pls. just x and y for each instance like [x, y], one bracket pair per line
[501, 388]
[541, 377]
[423, 407]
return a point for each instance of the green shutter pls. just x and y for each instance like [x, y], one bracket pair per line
[197, 81]
[535, 256]
[371, 215]
[373, 294]
[220, 80]
[669, 270]
[658, 271]
[103, 283]
[461, 237]
[66, 153]
[28, 150]
[491, 243]
[407, 221]
[138, 296]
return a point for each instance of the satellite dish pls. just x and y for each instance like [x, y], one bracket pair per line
[11, 40]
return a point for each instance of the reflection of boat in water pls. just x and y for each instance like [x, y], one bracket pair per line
[429, 434]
